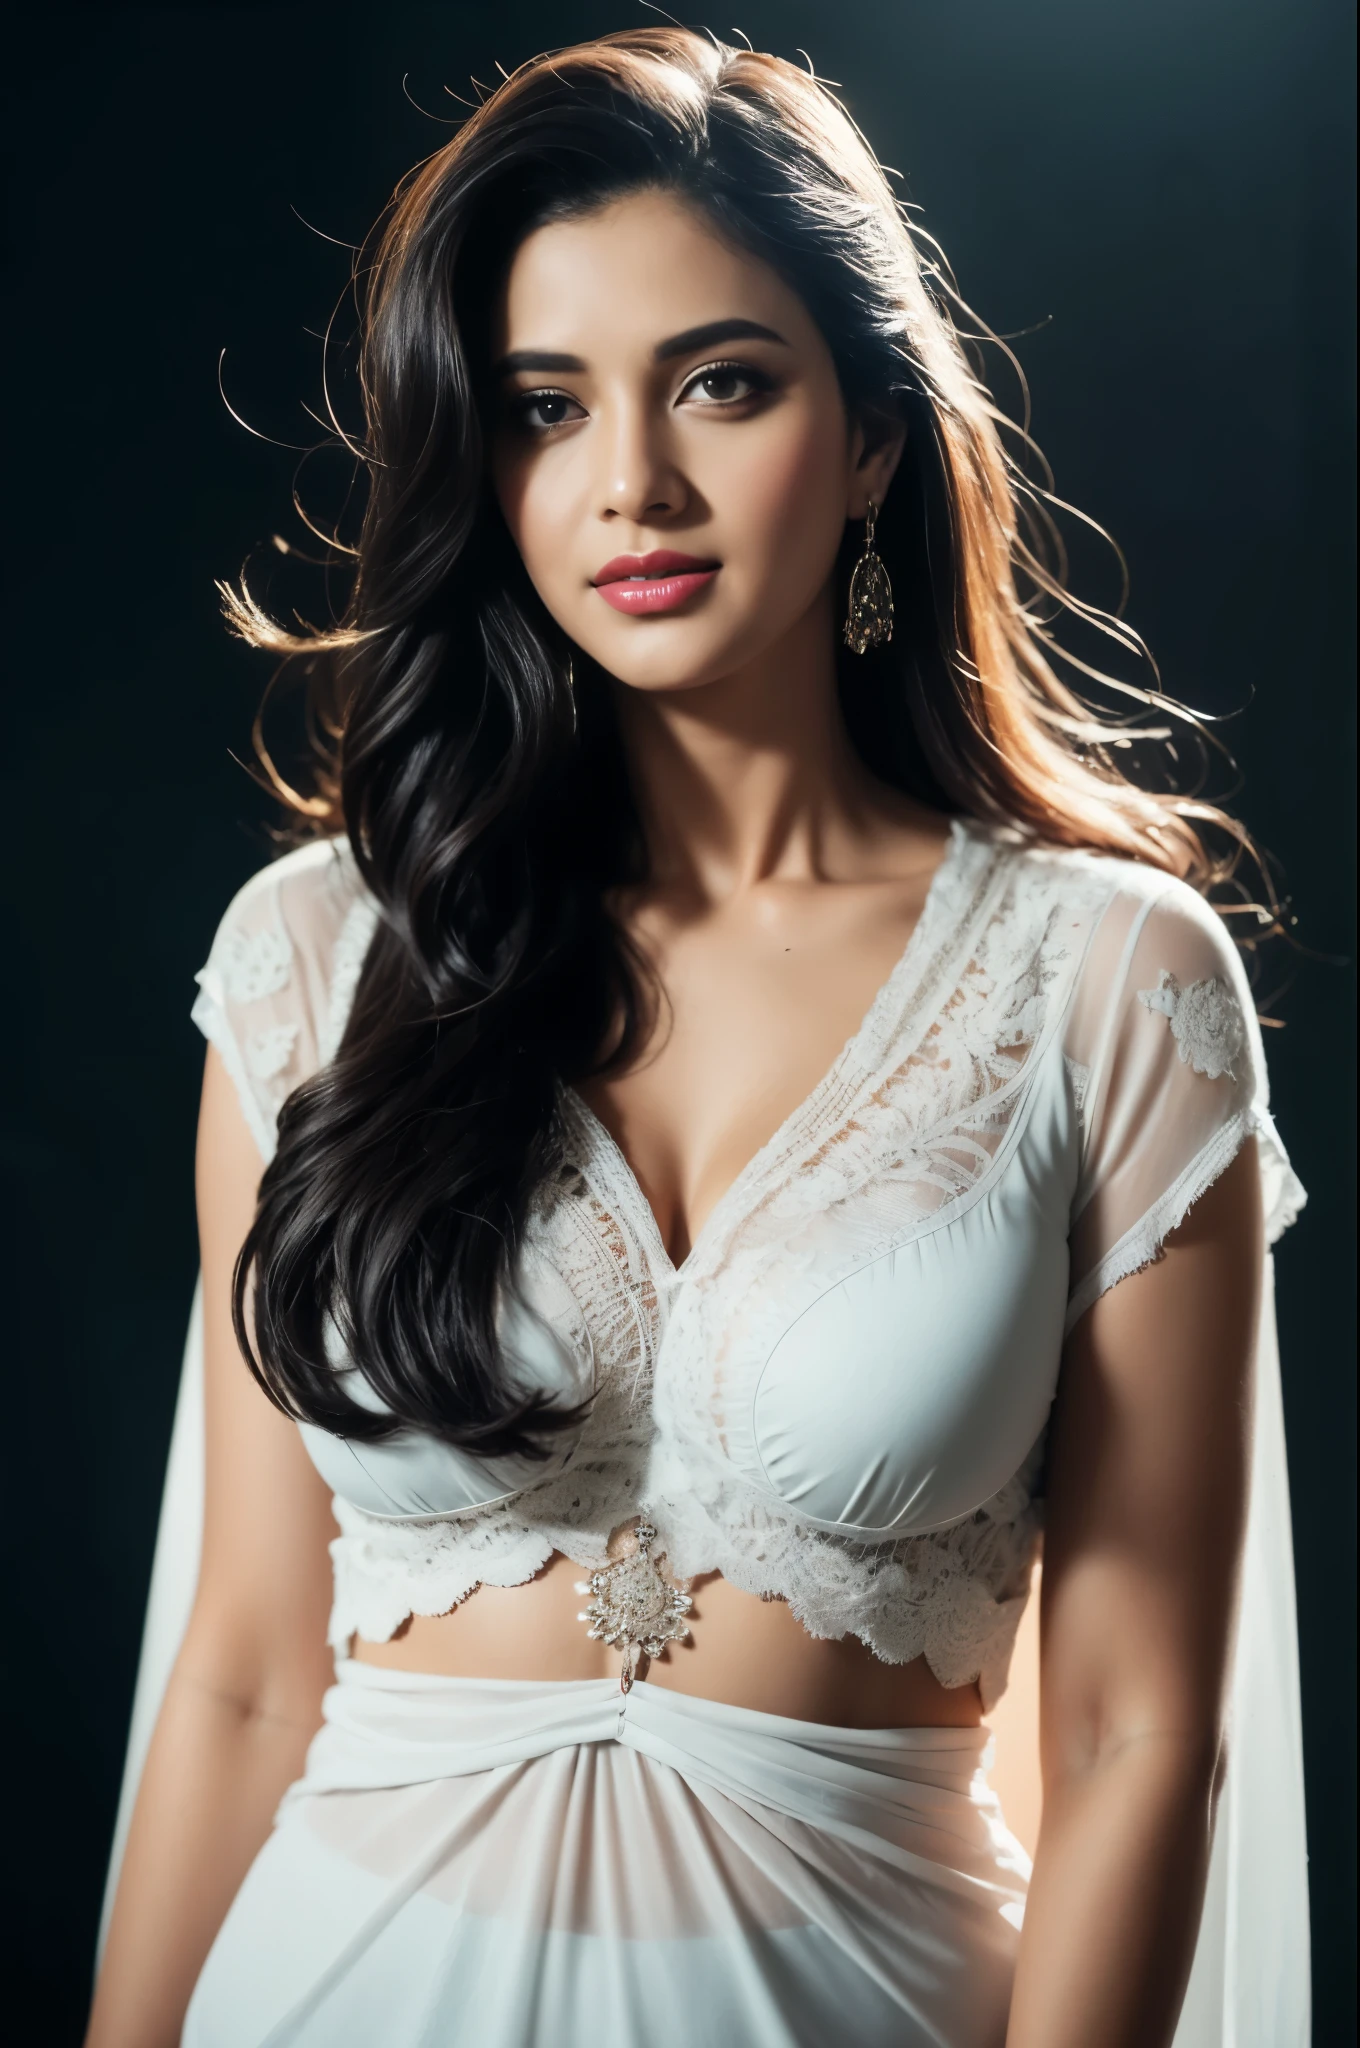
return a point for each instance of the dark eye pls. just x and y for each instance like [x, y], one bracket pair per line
[725, 384]
[539, 410]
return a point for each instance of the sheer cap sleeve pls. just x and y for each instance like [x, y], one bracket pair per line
[280, 977]
[1169, 1067]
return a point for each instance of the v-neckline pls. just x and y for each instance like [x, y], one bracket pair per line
[902, 981]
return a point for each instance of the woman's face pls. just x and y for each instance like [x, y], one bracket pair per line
[673, 455]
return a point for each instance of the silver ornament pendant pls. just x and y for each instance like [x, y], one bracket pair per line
[634, 1606]
[869, 617]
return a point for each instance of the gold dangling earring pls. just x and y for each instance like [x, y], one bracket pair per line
[869, 622]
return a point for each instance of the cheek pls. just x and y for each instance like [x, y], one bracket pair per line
[785, 500]
[538, 506]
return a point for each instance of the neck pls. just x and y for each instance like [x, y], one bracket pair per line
[752, 777]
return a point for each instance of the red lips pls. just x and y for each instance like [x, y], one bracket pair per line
[661, 562]
[659, 582]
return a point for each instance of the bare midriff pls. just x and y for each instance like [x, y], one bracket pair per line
[743, 1651]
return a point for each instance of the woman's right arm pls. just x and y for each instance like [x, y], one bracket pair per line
[244, 1697]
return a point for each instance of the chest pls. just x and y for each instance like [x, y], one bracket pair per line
[866, 1330]
[752, 1009]
[887, 1367]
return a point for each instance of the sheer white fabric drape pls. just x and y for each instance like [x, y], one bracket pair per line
[174, 1580]
[1250, 1986]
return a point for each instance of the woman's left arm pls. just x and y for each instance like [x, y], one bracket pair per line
[1147, 1482]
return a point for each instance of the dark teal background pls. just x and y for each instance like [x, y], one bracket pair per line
[1160, 187]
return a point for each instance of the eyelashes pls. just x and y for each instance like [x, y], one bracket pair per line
[540, 412]
[523, 409]
[730, 373]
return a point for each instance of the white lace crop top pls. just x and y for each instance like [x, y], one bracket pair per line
[840, 1396]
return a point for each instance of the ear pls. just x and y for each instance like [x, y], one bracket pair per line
[876, 446]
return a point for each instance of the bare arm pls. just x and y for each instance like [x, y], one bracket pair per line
[1147, 1492]
[244, 1697]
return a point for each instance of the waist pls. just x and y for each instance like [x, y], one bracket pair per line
[742, 1652]
[910, 1801]
[384, 1728]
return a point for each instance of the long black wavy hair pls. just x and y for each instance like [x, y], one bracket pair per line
[475, 761]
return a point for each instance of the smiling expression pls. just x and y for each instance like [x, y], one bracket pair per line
[673, 455]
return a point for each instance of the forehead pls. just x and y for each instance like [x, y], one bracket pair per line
[631, 273]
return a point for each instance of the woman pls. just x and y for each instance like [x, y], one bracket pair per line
[755, 1110]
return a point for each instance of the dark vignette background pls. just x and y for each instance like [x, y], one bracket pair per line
[1165, 182]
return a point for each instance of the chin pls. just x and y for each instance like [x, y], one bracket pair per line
[657, 669]
[670, 682]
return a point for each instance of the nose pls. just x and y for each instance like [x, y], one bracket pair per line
[639, 480]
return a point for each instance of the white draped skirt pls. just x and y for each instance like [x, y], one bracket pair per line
[534, 1865]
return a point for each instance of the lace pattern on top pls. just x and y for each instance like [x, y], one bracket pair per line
[1189, 1023]
[1021, 956]
[386, 1570]
[907, 1128]
[281, 976]
[1206, 1022]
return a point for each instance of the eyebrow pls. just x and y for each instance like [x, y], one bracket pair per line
[711, 335]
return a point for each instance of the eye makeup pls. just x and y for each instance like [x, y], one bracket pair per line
[759, 381]
[555, 408]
